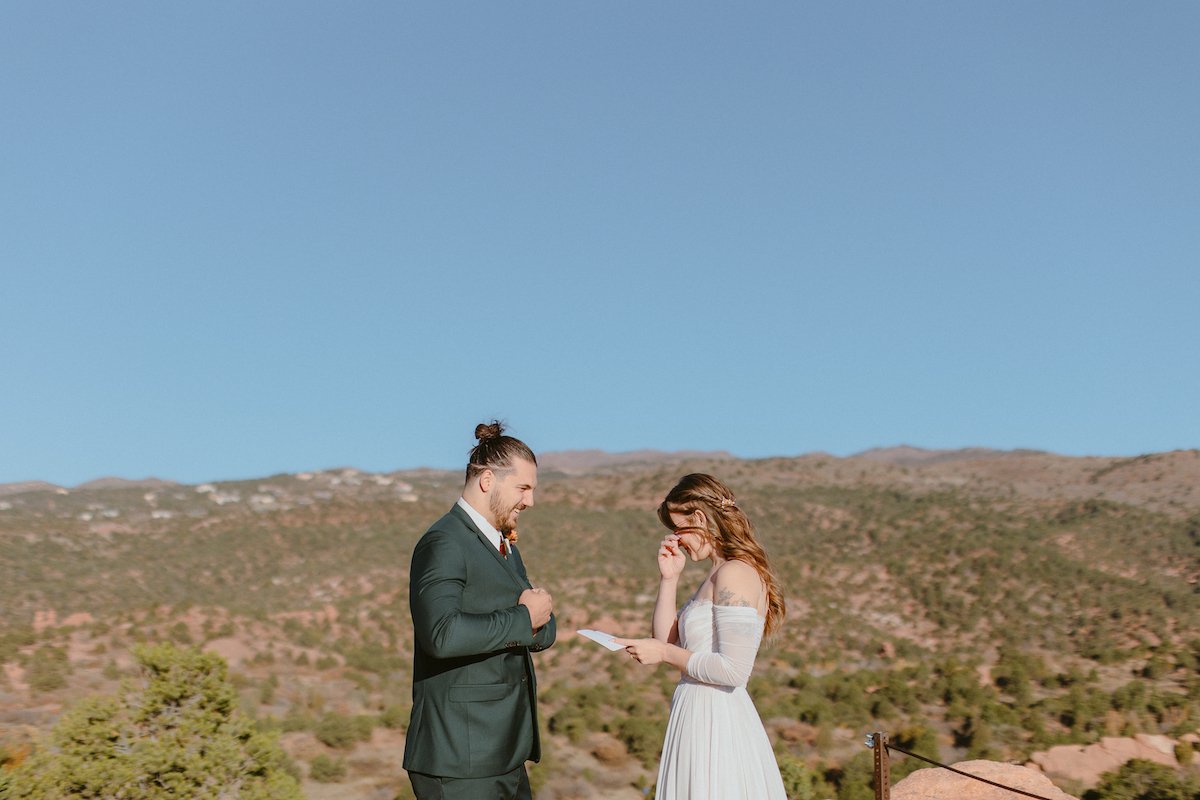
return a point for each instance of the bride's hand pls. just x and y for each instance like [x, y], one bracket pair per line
[643, 651]
[670, 558]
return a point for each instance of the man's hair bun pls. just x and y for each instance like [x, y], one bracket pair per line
[495, 451]
[485, 431]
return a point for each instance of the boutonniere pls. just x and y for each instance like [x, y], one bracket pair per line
[511, 536]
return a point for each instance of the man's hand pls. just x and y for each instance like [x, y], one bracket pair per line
[539, 604]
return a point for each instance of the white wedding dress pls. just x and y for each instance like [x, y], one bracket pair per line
[716, 747]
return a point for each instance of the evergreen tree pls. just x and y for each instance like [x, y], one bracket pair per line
[175, 733]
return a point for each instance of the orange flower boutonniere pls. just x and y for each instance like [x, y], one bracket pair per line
[511, 536]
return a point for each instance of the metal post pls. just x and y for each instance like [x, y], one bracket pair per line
[877, 741]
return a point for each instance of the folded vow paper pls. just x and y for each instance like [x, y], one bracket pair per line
[605, 639]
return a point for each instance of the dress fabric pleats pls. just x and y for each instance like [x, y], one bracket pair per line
[716, 747]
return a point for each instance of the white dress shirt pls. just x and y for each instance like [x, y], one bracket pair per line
[484, 526]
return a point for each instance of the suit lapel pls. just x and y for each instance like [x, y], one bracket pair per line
[517, 564]
[508, 564]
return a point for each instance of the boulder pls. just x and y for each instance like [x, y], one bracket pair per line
[936, 783]
[1086, 763]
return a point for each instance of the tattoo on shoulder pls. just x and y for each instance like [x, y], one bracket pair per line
[725, 597]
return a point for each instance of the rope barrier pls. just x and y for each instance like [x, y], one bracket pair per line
[890, 746]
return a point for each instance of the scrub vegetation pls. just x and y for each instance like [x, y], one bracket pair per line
[986, 606]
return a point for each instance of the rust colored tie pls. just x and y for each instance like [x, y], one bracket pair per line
[503, 547]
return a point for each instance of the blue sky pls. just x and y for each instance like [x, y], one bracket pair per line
[248, 238]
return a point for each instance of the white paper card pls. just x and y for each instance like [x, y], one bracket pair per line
[605, 639]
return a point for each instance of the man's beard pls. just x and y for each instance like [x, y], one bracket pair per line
[504, 516]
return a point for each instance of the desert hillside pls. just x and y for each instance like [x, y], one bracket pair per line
[975, 604]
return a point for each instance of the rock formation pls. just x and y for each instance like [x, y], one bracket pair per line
[936, 783]
[1086, 763]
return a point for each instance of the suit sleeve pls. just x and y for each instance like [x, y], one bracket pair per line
[439, 574]
[544, 637]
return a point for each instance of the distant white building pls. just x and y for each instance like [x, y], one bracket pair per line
[205, 488]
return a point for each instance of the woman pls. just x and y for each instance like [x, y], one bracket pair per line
[715, 747]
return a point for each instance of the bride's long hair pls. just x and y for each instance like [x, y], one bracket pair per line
[729, 530]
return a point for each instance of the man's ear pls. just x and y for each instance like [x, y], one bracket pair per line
[487, 479]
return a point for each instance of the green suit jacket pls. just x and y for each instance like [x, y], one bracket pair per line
[474, 693]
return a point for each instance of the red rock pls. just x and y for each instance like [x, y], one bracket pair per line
[936, 783]
[1087, 763]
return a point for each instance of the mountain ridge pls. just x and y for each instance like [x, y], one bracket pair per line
[909, 454]
[583, 461]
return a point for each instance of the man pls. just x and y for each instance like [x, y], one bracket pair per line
[476, 619]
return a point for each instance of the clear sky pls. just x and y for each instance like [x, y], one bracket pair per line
[246, 238]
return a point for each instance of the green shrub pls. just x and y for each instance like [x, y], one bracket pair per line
[374, 657]
[180, 633]
[340, 731]
[856, 778]
[47, 669]
[324, 769]
[1138, 779]
[13, 641]
[267, 689]
[1184, 753]
[643, 737]
[800, 782]
[395, 717]
[176, 736]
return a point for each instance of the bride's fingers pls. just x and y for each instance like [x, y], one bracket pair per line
[630, 646]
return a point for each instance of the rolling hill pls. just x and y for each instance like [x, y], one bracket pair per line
[973, 602]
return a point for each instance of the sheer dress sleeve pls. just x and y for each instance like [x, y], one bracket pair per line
[737, 633]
